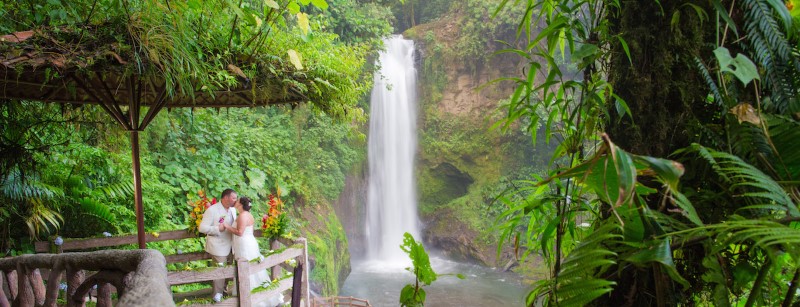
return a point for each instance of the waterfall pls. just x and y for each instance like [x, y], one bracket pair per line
[392, 199]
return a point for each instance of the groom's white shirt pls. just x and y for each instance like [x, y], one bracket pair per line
[218, 243]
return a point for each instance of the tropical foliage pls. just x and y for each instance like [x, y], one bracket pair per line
[413, 295]
[196, 210]
[260, 45]
[66, 169]
[717, 225]
[275, 221]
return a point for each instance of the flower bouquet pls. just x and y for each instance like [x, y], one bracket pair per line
[198, 207]
[275, 222]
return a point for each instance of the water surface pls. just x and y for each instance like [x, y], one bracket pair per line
[381, 282]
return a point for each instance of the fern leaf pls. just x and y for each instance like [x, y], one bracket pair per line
[772, 51]
[709, 81]
[96, 209]
[743, 177]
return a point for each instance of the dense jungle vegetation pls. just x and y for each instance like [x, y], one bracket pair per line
[675, 179]
[66, 169]
[673, 128]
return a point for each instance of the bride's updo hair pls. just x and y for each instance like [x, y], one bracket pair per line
[245, 201]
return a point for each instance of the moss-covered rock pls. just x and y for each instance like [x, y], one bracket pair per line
[329, 256]
[464, 162]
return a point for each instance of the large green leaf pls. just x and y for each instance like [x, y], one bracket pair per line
[658, 251]
[742, 67]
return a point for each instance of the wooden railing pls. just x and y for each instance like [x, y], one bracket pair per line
[139, 277]
[243, 269]
[296, 250]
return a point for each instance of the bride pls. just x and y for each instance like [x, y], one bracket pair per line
[245, 247]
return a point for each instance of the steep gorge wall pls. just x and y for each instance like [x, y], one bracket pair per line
[462, 161]
[329, 255]
[351, 209]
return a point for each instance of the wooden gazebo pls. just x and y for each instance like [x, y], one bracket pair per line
[35, 67]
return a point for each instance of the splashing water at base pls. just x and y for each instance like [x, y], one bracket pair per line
[381, 285]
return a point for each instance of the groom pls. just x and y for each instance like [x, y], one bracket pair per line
[219, 241]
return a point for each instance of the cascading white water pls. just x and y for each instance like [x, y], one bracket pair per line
[392, 199]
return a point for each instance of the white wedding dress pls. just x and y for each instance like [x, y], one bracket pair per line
[246, 247]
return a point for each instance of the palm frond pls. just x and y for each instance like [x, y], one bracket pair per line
[40, 218]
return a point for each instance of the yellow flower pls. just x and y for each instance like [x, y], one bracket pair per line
[198, 221]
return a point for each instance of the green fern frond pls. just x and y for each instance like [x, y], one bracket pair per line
[756, 186]
[747, 140]
[577, 284]
[583, 292]
[14, 188]
[118, 190]
[93, 208]
[772, 51]
[709, 81]
[785, 132]
[767, 235]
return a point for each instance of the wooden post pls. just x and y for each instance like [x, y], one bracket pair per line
[297, 285]
[243, 282]
[304, 262]
[276, 270]
[137, 187]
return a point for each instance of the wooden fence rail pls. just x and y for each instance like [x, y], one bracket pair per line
[296, 250]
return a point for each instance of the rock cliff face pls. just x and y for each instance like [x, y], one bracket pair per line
[351, 209]
[462, 161]
[329, 255]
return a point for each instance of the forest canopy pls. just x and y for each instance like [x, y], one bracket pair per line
[66, 167]
[272, 49]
